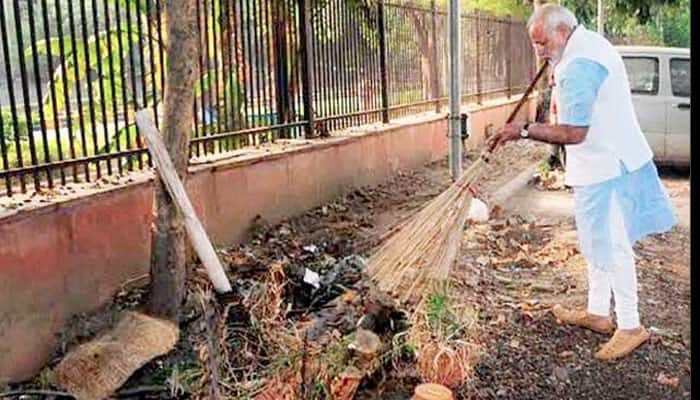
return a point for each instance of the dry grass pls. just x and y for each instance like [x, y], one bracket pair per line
[441, 332]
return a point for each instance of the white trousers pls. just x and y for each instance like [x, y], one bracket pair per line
[619, 281]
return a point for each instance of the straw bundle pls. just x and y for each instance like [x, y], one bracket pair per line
[96, 369]
[422, 249]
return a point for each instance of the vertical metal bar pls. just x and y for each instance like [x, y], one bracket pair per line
[132, 73]
[286, 106]
[307, 50]
[382, 63]
[267, 60]
[375, 79]
[355, 63]
[361, 64]
[241, 75]
[52, 86]
[436, 72]
[142, 62]
[161, 48]
[280, 56]
[314, 64]
[250, 66]
[236, 66]
[101, 83]
[509, 57]
[225, 57]
[323, 66]
[339, 100]
[352, 27]
[195, 115]
[113, 88]
[124, 83]
[345, 62]
[208, 126]
[225, 41]
[39, 94]
[11, 91]
[248, 61]
[331, 77]
[25, 96]
[202, 71]
[3, 148]
[299, 98]
[150, 9]
[215, 82]
[290, 68]
[477, 37]
[66, 88]
[142, 71]
[455, 98]
[296, 78]
[258, 86]
[91, 100]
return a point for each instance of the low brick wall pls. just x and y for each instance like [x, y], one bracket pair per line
[72, 256]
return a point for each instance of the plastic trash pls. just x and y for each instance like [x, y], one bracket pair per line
[478, 211]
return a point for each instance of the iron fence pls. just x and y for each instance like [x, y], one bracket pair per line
[75, 72]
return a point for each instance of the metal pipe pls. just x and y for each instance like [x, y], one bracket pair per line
[455, 156]
[382, 62]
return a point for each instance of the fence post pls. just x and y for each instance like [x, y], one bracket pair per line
[382, 62]
[477, 61]
[509, 56]
[307, 68]
[282, 82]
[436, 92]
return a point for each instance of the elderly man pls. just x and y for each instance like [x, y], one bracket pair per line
[617, 192]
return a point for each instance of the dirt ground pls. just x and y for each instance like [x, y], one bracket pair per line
[531, 357]
[510, 269]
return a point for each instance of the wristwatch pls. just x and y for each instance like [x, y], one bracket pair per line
[524, 132]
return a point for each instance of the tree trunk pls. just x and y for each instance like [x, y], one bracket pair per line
[168, 260]
[427, 57]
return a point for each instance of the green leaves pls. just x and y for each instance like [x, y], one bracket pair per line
[84, 59]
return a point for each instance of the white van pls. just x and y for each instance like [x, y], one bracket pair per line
[660, 83]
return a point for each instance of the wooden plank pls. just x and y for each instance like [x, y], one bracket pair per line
[195, 230]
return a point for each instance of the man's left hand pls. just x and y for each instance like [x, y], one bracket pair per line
[507, 133]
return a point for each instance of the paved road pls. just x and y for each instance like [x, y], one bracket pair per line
[529, 200]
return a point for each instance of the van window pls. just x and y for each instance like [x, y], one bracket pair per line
[643, 74]
[680, 77]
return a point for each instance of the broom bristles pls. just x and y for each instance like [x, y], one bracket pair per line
[423, 248]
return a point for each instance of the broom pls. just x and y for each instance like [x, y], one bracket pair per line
[423, 248]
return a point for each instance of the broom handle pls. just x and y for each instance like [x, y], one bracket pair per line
[527, 92]
[486, 153]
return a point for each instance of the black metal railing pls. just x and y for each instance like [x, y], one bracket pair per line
[75, 71]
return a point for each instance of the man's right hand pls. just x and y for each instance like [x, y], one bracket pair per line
[507, 133]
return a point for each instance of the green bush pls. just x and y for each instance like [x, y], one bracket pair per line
[8, 126]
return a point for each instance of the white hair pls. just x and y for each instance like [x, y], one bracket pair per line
[553, 16]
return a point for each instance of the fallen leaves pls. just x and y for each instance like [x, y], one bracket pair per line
[566, 354]
[667, 380]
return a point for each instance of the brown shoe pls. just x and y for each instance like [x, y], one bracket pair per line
[583, 318]
[622, 344]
